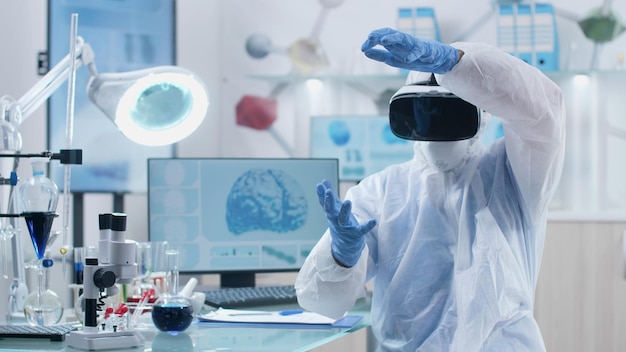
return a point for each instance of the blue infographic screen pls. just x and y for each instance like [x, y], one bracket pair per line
[238, 214]
[363, 144]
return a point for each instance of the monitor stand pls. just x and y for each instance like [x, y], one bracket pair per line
[237, 280]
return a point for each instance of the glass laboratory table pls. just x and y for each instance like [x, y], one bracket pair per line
[199, 337]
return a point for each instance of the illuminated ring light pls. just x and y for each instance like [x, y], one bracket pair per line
[181, 127]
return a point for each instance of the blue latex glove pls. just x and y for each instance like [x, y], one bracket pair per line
[348, 236]
[409, 52]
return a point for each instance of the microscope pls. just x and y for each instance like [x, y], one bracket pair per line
[115, 265]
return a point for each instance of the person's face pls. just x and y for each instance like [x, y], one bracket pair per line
[445, 156]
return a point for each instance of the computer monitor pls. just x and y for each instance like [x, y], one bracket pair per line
[236, 216]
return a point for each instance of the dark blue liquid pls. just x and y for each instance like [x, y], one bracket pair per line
[172, 317]
[78, 273]
[39, 225]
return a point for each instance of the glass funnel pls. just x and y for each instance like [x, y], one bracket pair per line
[38, 197]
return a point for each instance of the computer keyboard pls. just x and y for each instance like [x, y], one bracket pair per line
[52, 332]
[240, 297]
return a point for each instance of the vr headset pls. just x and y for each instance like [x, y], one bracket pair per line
[428, 112]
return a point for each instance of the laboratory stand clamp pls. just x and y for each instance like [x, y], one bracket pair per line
[115, 264]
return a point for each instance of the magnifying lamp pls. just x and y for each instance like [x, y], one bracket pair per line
[155, 106]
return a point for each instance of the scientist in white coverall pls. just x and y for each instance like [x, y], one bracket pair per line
[453, 238]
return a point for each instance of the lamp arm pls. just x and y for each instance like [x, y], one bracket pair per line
[49, 83]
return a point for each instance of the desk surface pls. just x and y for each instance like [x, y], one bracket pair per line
[200, 337]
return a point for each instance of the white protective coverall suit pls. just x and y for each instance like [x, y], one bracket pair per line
[455, 255]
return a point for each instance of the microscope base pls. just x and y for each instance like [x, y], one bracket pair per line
[104, 340]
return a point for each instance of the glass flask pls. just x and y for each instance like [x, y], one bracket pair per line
[43, 306]
[172, 313]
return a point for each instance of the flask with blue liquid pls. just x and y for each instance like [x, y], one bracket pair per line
[172, 312]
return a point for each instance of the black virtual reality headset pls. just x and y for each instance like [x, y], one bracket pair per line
[428, 112]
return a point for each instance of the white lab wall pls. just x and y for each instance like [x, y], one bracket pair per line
[344, 30]
[211, 36]
[285, 22]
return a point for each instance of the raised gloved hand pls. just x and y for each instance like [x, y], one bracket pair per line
[409, 52]
[348, 236]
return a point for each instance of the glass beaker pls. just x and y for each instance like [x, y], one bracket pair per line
[144, 284]
[159, 266]
[143, 294]
[172, 313]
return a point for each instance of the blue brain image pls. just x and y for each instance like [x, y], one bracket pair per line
[265, 200]
[339, 132]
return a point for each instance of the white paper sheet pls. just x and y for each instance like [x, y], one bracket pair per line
[255, 316]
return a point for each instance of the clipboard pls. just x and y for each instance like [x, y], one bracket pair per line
[249, 318]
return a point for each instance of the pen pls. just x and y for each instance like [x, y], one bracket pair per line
[282, 312]
[291, 312]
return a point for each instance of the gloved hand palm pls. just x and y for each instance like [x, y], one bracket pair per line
[348, 236]
[409, 52]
